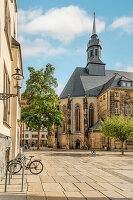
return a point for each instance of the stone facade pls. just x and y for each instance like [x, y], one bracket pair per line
[30, 137]
[103, 106]
[10, 59]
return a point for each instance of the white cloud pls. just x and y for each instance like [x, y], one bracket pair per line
[59, 88]
[25, 16]
[124, 23]
[118, 65]
[123, 67]
[129, 68]
[63, 24]
[39, 47]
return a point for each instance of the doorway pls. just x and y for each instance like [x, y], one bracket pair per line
[77, 144]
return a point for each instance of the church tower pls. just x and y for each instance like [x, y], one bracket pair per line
[94, 67]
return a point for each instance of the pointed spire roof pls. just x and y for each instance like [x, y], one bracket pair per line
[94, 26]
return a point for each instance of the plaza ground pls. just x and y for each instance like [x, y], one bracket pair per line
[75, 175]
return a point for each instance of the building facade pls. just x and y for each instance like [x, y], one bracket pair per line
[91, 94]
[10, 59]
[30, 137]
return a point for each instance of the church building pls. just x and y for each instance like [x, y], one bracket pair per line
[92, 93]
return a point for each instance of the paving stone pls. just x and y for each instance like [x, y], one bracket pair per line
[12, 196]
[94, 195]
[108, 186]
[62, 174]
[112, 179]
[55, 196]
[35, 187]
[51, 174]
[69, 187]
[96, 186]
[96, 178]
[35, 196]
[84, 179]
[124, 186]
[47, 179]
[83, 186]
[52, 187]
[73, 173]
[65, 177]
[74, 196]
[59, 179]
[113, 195]
[126, 194]
[70, 179]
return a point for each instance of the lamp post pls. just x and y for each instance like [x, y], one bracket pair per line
[17, 81]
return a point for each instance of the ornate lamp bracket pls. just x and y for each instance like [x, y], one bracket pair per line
[4, 96]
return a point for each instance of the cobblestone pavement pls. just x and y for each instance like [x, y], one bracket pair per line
[75, 175]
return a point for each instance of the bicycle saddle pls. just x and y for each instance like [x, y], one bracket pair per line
[31, 156]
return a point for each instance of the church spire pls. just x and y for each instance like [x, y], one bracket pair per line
[95, 66]
[94, 26]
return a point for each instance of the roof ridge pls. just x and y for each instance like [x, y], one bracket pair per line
[106, 86]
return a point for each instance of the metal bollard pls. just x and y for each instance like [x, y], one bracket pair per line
[6, 180]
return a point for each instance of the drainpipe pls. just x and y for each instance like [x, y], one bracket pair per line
[72, 123]
[107, 116]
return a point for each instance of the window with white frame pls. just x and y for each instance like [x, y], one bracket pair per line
[116, 108]
[6, 90]
[128, 109]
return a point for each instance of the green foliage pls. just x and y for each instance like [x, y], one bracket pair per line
[118, 127]
[42, 101]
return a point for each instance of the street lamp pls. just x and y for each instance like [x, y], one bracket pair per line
[17, 82]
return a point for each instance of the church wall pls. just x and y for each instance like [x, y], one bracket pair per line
[99, 141]
[100, 111]
[123, 97]
[96, 140]
[62, 135]
[103, 105]
[114, 96]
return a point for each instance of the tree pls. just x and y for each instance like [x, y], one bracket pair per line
[42, 101]
[118, 127]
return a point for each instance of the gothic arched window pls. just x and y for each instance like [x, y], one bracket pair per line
[91, 116]
[128, 109]
[65, 115]
[77, 118]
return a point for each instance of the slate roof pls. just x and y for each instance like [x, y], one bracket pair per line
[81, 82]
[96, 126]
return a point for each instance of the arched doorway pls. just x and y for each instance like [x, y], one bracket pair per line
[77, 144]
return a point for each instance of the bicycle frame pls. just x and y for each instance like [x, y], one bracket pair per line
[28, 164]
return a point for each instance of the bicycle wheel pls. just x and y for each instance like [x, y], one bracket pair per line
[36, 167]
[14, 167]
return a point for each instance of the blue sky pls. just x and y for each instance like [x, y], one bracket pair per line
[57, 32]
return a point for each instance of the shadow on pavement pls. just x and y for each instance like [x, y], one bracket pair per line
[74, 154]
[11, 196]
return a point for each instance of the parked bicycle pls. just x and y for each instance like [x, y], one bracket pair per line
[35, 166]
[93, 152]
